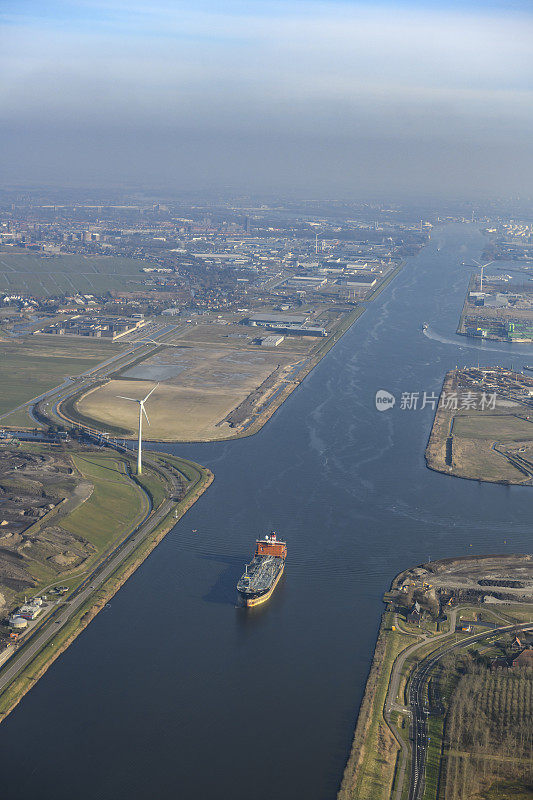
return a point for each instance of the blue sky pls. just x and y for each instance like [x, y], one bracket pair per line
[322, 97]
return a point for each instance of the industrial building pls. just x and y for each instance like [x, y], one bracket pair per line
[271, 341]
[299, 330]
[97, 327]
[361, 281]
[30, 610]
[507, 330]
[305, 282]
[17, 622]
[268, 318]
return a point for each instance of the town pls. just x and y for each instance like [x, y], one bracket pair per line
[226, 306]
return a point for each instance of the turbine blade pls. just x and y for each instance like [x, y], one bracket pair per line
[145, 414]
[150, 392]
[133, 399]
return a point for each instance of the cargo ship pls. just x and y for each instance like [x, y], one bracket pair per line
[263, 573]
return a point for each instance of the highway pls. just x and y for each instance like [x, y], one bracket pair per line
[391, 702]
[418, 706]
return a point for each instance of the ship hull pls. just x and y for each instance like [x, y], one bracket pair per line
[250, 602]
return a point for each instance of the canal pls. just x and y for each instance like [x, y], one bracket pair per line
[172, 691]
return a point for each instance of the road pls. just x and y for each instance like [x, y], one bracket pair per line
[92, 583]
[418, 707]
[391, 702]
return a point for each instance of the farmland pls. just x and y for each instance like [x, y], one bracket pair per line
[67, 274]
[31, 366]
[489, 735]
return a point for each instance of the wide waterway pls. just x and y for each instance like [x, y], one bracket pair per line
[172, 692]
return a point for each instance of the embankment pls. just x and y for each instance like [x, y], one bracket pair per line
[371, 765]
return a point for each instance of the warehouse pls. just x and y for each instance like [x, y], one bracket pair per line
[276, 319]
[272, 341]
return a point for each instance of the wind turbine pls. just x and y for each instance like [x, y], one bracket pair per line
[482, 267]
[142, 411]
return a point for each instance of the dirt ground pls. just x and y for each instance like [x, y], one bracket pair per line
[33, 497]
[199, 388]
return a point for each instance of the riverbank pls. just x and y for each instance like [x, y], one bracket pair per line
[371, 765]
[163, 518]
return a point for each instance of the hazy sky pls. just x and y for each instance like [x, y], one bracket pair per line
[328, 99]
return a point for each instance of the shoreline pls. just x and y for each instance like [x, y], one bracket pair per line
[368, 713]
[45, 657]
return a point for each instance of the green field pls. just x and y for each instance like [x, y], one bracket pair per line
[68, 274]
[503, 427]
[31, 366]
[115, 505]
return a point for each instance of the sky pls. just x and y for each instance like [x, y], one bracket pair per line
[311, 99]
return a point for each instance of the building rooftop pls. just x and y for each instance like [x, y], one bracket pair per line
[290, 319]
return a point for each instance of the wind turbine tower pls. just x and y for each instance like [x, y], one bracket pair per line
[142, 411]
[481, 268]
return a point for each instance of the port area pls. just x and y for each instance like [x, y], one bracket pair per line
[483, 426]
[75, 525]
[499, 308]
[447, 712]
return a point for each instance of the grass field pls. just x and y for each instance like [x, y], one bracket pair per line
[31, 366]
[475, 458]
[114, 506]
[482, 445]
[20, 419]
[67, 274]
[503, 427]
[473, 439]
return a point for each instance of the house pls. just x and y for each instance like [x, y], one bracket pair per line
[523, 659]
[415, 614]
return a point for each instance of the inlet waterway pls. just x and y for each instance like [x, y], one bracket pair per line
[172, 691]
